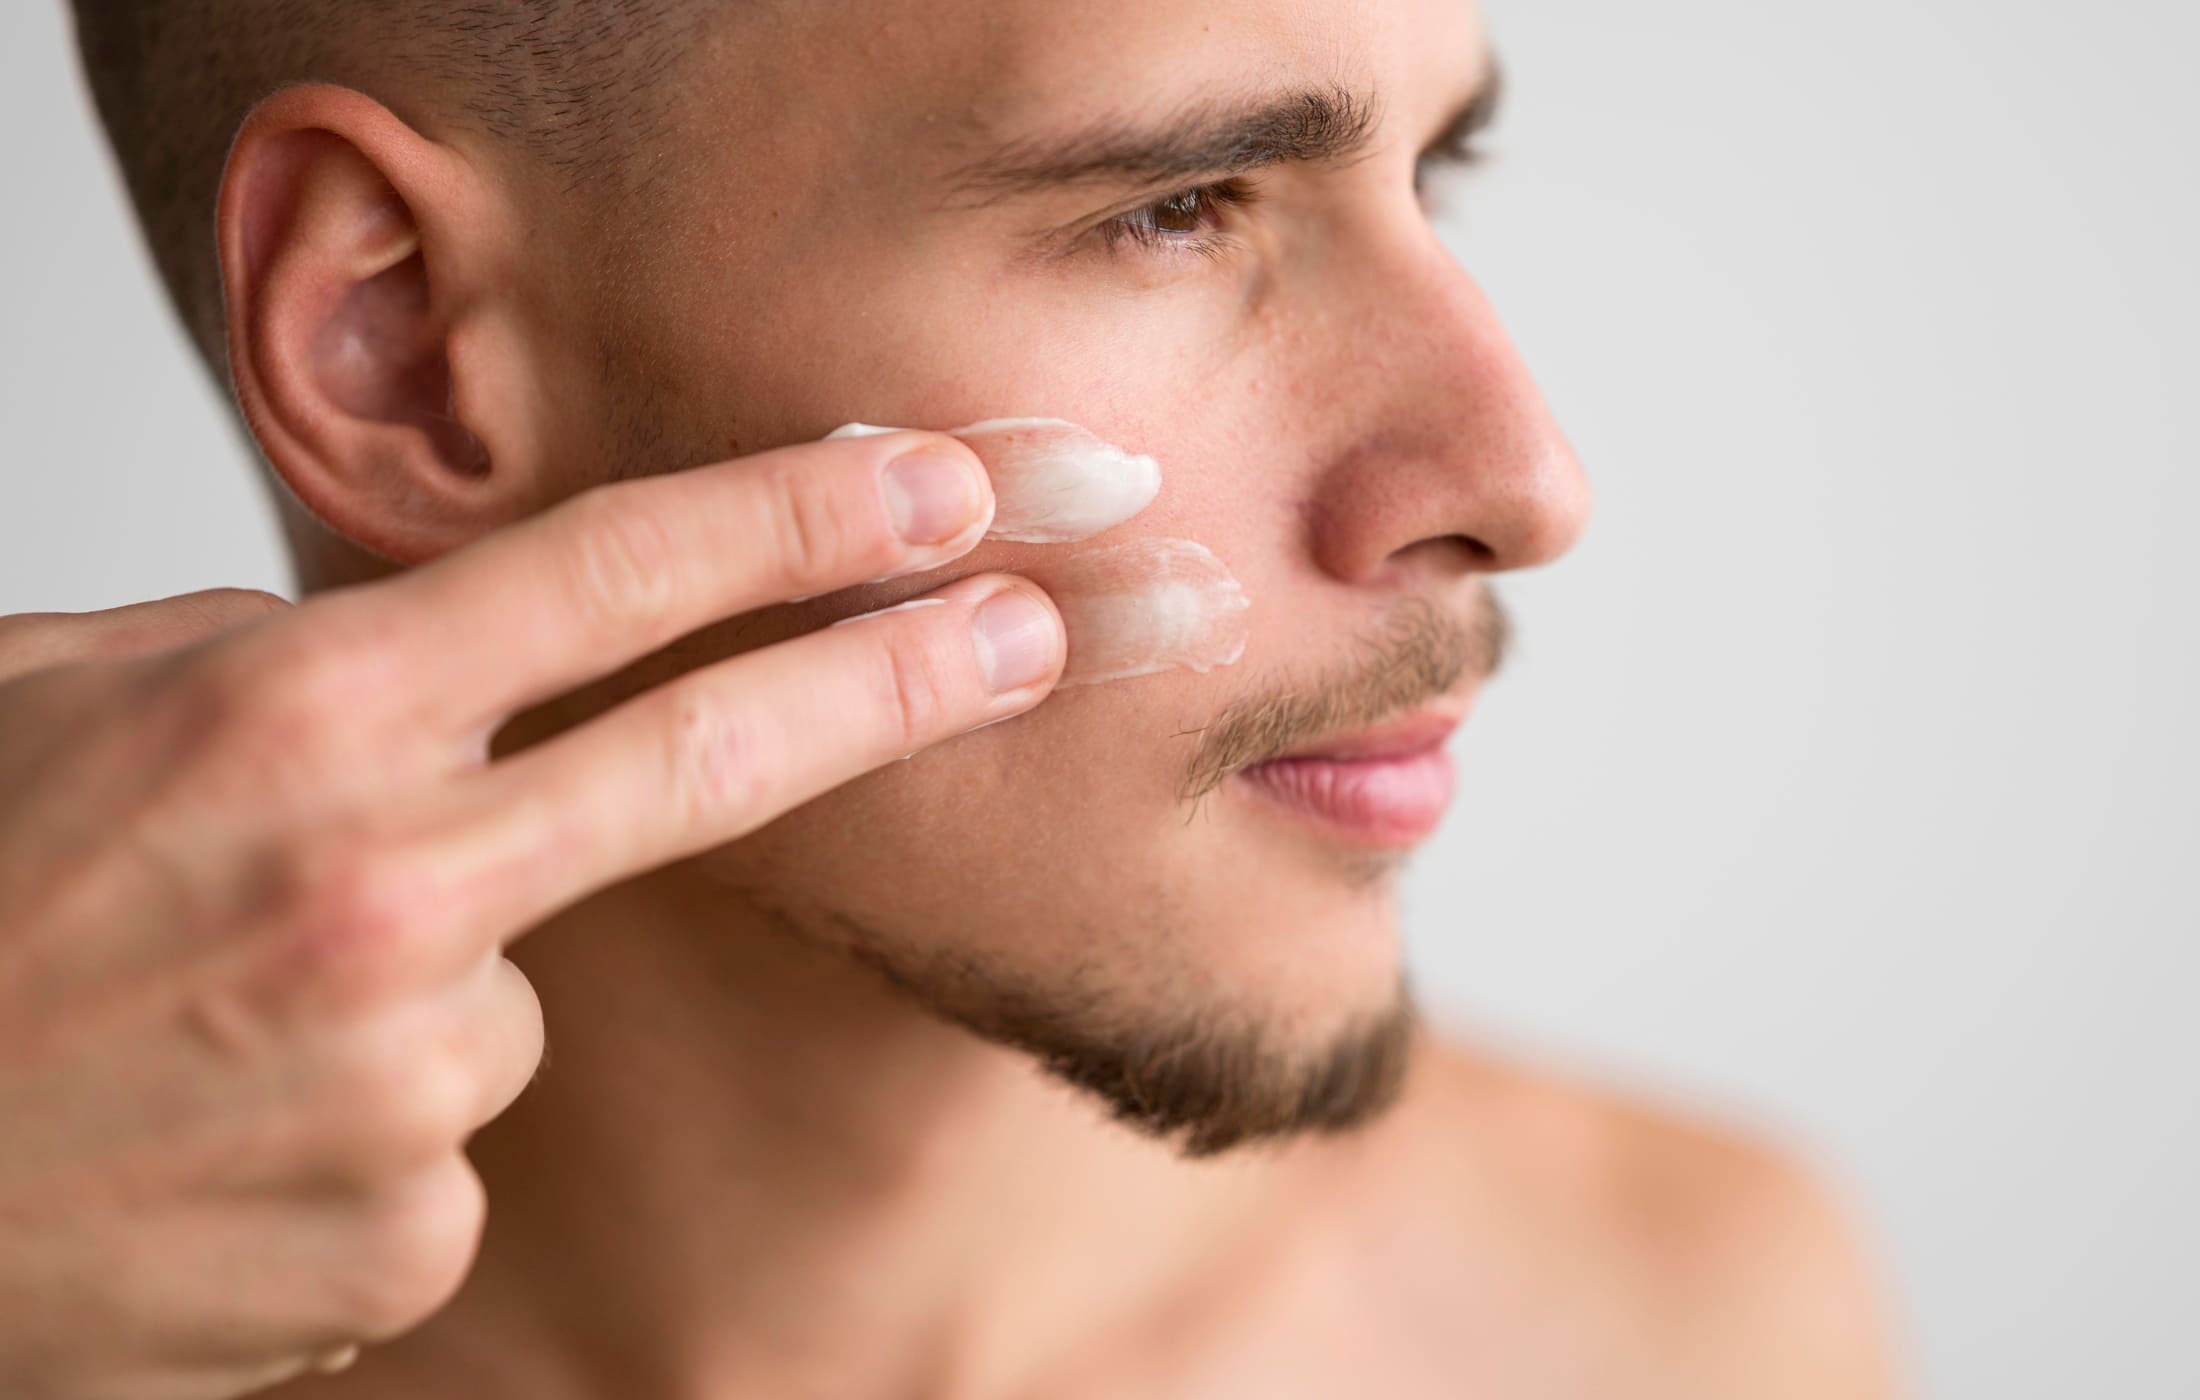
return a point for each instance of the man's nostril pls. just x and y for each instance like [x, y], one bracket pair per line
[1448, 556]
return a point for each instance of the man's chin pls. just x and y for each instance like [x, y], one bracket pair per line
[1211, 1088]
[1204, 1080]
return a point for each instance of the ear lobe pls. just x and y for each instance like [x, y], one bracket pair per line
[342, 318]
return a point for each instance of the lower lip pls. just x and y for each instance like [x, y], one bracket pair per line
[1395, 801]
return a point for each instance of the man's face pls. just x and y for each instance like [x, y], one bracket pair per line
[855, 219]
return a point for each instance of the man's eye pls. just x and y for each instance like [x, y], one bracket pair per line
[1184, 212]
[1443, 165]
[1189, 220]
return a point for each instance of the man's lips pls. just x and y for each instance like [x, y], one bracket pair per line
[1404, 737]
[1387, 785]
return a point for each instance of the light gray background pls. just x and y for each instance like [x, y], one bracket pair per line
[1843, 779]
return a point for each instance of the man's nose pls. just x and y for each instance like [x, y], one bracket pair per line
[1457, 464]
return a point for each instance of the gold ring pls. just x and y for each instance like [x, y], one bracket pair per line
[328, 1363]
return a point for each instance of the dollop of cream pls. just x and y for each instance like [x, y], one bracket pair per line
[1053, 481]
[1149, 606]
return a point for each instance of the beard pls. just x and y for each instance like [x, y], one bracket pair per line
[1207, 1077]
[1203, 1080]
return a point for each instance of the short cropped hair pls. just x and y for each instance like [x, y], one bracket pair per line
[571, 83]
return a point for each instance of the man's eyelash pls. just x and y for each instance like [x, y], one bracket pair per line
[1456, 150]
[1148, 226]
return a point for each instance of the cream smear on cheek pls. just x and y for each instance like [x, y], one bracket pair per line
[1053, 482]
[1133, 609]
[1154, 605]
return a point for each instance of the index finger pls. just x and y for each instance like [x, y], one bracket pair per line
[618, 571]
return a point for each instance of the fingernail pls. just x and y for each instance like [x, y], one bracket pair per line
[1017, 639]
[932, 496]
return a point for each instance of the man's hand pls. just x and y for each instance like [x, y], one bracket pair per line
[258, 871]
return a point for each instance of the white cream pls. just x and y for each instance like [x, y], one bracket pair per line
[1053, 482]
[1154, 605]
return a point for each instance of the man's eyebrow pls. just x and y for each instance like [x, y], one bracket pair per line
[1306, 125]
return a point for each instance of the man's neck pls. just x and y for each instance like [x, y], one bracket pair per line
[748, 1167]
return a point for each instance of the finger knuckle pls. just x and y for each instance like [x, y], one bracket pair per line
[179, 623]
[351, 916]
[314, 686]
[218, 609]
[513, 1042]
[715, 761]
[917, 685]
[288, 692]
[624, 575]
[422, 1236]
[816, 539]
[408, 1106]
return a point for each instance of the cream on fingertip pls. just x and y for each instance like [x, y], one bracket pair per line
[1053, 481]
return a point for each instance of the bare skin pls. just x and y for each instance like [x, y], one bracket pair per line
[260, 874]
[749, 1165]
[1504, 1233]
[1511, 1234]
[897, 1209]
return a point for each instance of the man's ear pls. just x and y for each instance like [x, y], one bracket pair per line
[372, 345]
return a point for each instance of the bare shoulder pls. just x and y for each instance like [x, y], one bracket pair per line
[1734, 1266]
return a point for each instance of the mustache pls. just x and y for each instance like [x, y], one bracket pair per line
[1419, 652]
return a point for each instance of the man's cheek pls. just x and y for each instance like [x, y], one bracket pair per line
[1145, 607]
[999, 823]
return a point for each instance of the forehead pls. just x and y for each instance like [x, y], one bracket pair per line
[958, 75]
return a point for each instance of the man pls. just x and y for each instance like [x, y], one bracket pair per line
[473, 271]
